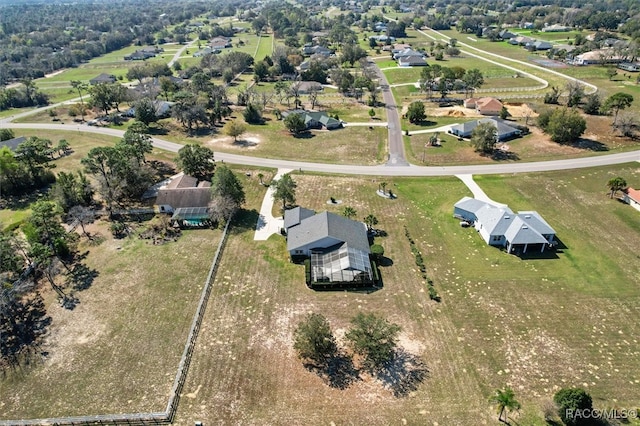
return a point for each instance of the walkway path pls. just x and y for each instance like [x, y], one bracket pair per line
[267, 224]
[478, 193]
[443, 129]
[367, 124]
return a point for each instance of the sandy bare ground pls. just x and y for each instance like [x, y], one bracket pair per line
[246, 141]
[517, 110]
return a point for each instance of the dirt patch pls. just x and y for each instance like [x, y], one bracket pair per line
[520, 110]
[454, 111]
[246, 141]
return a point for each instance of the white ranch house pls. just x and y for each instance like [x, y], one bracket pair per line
[500, 226]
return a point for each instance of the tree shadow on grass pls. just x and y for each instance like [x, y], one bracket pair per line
[339, 372]
[244, 220]
[244, 143]
[590, 145]
[403, 373]
[500, 155]
[304, 135]
[81, 277]
[163, 170]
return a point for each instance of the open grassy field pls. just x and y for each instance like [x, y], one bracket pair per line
[535, 324]
[351, 145]
[118, 350]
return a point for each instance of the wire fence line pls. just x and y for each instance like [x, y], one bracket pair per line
[156, 418]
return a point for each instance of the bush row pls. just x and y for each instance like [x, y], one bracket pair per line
[433, 293]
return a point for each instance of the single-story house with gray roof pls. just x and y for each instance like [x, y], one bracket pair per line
[315, 119]
[504, 130]
[12, 144]
[500, 226]
[103, 78]
[338, 247]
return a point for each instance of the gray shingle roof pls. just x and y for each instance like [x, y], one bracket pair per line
[12, 144]
[328, 225]
[495, 220]
[294, 216]
[184, 197]
[522, 233]
[536, 221]
[470, 204]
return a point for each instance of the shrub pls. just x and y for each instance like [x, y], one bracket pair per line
[569, 400]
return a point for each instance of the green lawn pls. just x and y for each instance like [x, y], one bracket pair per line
[533, 324]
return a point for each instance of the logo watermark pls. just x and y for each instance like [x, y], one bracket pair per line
[602, 414]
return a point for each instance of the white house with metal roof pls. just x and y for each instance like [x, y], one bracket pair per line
[500, 226]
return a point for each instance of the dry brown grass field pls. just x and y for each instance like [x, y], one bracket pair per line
[534, 324]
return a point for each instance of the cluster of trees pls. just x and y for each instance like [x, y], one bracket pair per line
[29, 167]
[448, 79]
[571, 405]
[371, 337]
[121, 171]
[25, 95]
[37, 39]
[564, 125]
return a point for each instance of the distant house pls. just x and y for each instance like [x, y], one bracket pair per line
[555, 28]
[384, 38]
[304, 87]
[500, 226]
[484, 106]
[600, 56]
[315, 119]
[162, 109]
[405, 53]
[143, 54]
[337, 247]
[503, 130]
[206, 51]
[412, 61]
[181, 192]
[399, 47]
[626, 66]
[521, 40]
[507, 35]
[219, 43]
[539, 45]
[103, 79]
[632, 197]
[309, 50]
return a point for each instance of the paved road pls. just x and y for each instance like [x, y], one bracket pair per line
[381, 170]
[396, 145]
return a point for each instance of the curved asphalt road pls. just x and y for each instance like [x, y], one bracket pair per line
[381, 170]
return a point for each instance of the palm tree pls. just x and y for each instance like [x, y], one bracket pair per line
[616, 184]
[371, 221]
[79, 86]
[383, 185]
[349, 212]
[505, 400]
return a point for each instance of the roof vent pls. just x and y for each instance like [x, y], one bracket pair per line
[525, 227]
[527, 216]
[507, 217]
